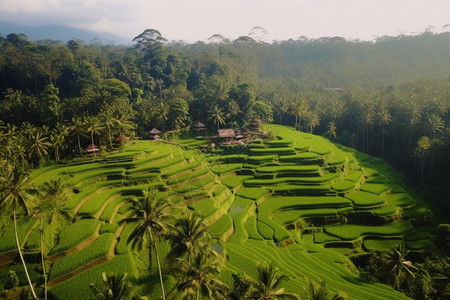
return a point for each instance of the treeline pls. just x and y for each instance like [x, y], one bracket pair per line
[389, 98]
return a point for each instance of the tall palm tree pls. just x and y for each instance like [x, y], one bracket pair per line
[110, 122]
[93, 126]
[58, 138]
[233, 111]
[55, 194]
[267, 285]
[39, 145]
[396, 267]
[162, 110]
[319, 291]
[14, 192]
[217, 116]
[77, 128]
[188, 236]
[299, 110]
[384, 118]
[114, 287]
[152, 215]
[331, 130]
[198, 275]
[312, 120]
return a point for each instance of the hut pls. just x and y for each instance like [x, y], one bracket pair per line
[91, 148]
[226, 135]
[198, 128]
[154, 134]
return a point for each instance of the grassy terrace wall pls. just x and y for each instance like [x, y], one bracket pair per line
[298, 201]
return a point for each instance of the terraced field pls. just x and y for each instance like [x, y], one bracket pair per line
[298, 201]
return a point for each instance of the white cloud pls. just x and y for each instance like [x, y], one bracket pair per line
[199, 19]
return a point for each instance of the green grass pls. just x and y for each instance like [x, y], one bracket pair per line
[364, 199]
[252, 192]
[75, 233]
[99, 248]
[234, 181]
[353, 232]
[78, 287]
[221, 226]
[381, 244]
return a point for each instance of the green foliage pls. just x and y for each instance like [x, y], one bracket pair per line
[78, 286]
[67, 264]
[75, 233]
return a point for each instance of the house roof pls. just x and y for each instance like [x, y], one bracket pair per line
[198, 125]
[92, 148]
[226, 133]
[154, 131]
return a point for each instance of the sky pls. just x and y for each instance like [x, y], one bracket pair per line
[197, 20]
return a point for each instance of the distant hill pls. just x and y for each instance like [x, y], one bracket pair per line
[60, 33]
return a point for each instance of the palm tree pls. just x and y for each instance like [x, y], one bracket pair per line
[266, 287]
[312, 120]
[110, 122]
[434, 124]
[217, 116]
[151, 214]
[77, 128]
[299, 110]
[55, 194]
[396, 267]
[14, 191]
[58, 138]
[114, 287]
[384, 118]
[233, 111]
[332, 130]
[93, 126]
[198, 275]
[39, 145]
[322, 292]
[188, 236]
[162, 111]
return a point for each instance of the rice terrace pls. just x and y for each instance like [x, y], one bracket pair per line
[296, 200]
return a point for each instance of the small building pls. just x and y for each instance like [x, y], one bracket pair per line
[154, 134]
[198, 127]
[226, 135]
[91, 148]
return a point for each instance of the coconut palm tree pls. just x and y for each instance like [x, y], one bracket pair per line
[312, 120]
[188, 236]
[267, 285]
[110, 121]
[198, 275]
[384, 118]
[77, 128]
[93, 126]
[152, 215]
[331, 130]
[15, 194]
[319, 291]
[114, 287]
[299, 110]
[39, 145]
[58, 138]
[396, 267]
[216, 115]
[55, 194]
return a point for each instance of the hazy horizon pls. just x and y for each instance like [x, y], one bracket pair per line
[197, 20]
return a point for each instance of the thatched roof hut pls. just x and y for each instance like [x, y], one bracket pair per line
[92, 148]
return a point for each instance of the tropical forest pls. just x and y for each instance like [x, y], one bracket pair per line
[226, 169]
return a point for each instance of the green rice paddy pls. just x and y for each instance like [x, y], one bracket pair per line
[289, 200]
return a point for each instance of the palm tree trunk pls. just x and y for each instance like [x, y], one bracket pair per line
[44, 273]
[198, 293]
[20, 254]
[79, 145]
[159, 270]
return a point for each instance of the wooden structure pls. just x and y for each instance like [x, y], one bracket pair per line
[154, 134]
[91, 148]
[198, 127]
